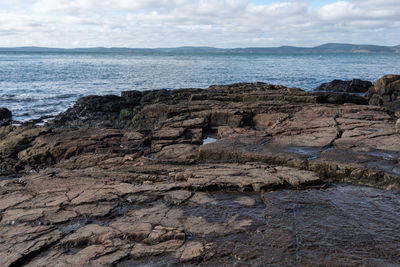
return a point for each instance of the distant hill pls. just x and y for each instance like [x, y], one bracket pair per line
[325, 48]
[190, 49]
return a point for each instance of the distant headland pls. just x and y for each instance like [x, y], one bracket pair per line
[325, 48]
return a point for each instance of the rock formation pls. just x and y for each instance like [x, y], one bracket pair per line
[5, 116]
[386, 92]
[353, 86]
[130, 181]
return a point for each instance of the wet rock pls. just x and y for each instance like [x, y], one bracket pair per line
[353, 86]
[341, 98]
[246, 201]
[93, 110]
[132, 94]
[5, 116]
[100, 190]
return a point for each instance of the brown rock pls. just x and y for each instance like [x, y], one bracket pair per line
[178, 152]
[147, 191]
[271, 120]
[386, 92]
[168, 133]
[398, 126]
[90, 234]
[177, 197]
[141, 250]
[22, 240]
[297, 177]
[246, 201]
[192, 251]
[162, 233]
[133, 230]
[387, 84]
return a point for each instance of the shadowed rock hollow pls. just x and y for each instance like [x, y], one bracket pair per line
[130, 181]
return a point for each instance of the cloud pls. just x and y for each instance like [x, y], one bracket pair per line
[224, 23]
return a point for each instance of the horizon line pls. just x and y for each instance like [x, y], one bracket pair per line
[193, 46]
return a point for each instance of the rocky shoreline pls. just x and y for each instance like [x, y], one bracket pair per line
[281, 180]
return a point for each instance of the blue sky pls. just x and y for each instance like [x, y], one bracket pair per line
[220, 23]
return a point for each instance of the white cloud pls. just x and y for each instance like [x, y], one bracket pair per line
[224, 23]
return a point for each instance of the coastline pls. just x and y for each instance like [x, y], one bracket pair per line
[64, 78]
[128, 179]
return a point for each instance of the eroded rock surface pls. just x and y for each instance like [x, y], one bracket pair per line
[128, 181]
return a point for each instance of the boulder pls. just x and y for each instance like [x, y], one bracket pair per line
[376, 100]
[387, 85]
[353, 86]
[398, 126]
[5, 116]
[386, 92]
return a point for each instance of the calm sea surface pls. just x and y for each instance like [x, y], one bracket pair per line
[37, 84]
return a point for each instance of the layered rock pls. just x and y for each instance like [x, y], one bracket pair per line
[386, 92]
[130, 181]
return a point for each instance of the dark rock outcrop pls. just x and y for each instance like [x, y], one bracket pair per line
[93, 110]
[340, 98]
[386, 92]
[101, 189]
[353, 86]
[5, 116]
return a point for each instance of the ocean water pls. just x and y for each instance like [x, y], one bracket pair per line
[38, 84]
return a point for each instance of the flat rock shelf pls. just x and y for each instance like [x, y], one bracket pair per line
[246, 174]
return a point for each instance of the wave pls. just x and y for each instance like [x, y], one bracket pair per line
[30, 97]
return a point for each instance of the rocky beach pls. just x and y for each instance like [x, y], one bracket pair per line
[247, 174]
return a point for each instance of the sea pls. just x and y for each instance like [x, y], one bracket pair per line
[35, 84]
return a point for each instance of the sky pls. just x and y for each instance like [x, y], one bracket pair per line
[218, 23]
